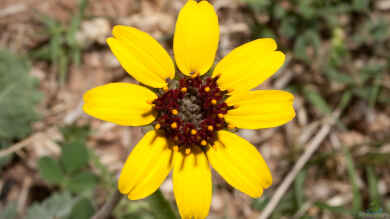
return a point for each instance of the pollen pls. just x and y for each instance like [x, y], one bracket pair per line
[207, 89]
[193, 132]
[188, 150]
[176, 148]
[213, 101]
[203, 142]
[210, 128]
[220, 115]
[174, 125]
[174, 112]
[183, 89]
[157, 126]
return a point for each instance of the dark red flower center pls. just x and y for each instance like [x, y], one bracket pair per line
[191, 112]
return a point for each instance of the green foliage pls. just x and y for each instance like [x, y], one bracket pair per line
[50, 170]
[260, 203]
[75, 133]
[74, 156]
[61, 206]
[317, 100]
[9, 212]
[57, 206]
[82, 181]
[373, 191]
[83, 209]
[154, 206]
[326, 35]
[62, 48]
[70, 171]
[299, 188]
[353, 177]
[19, 96]
[160, 207]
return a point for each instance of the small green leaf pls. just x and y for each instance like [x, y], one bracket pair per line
[50, 170]
[334, 209]
[317, 100]
[372, 185]
[160, 206]
[260, 203]
[353, 177]
[74, 156]
[75, 133]
[83, 209]
[361, 5]
[298, 188]
[82, 182]
[57, 206]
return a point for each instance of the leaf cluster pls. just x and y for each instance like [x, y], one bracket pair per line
[70, 170]
[19, 96]
[62, 48]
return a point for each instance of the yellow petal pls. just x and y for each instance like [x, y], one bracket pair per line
[146, 167]
[240, 164]
[141, 56]
[260, 109]
[192, 184]
[249, 65]
[196, 37]
[120, 103]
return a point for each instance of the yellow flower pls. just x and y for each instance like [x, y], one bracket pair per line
[192, 116]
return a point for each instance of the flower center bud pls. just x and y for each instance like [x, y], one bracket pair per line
[190, 113]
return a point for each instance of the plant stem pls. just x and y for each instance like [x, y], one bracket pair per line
[109, 206]
[160, 206]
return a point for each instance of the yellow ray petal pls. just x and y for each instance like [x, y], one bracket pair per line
[121, 103]
[249, 65]
[146, 167]
[260, 109]
[141, 56]
[240, 164]
[196, 37]
[192, 184]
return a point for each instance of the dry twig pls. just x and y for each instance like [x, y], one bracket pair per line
[311, 148]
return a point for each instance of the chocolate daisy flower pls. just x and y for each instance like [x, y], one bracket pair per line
[192, 116]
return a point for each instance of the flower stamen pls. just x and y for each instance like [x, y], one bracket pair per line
[193, 132]
[174, 112]
[174, 125]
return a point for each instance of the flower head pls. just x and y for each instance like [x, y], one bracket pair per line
[192, 116]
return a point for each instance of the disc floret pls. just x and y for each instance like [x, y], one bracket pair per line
[191, 113]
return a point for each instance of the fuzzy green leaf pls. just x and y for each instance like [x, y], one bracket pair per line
[9, 212]
[18, 97]
[57, 206]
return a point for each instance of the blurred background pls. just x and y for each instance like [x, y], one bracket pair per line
[56, 162]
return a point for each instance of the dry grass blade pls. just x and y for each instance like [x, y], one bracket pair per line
[311, 148]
